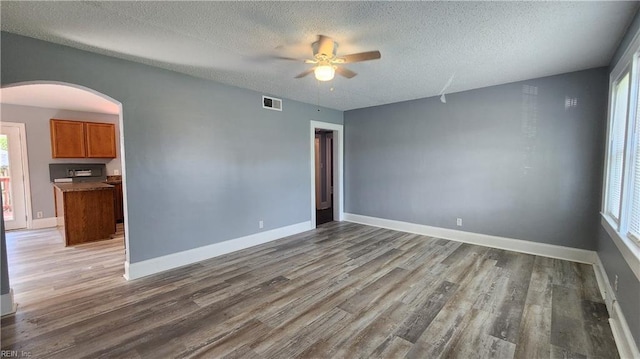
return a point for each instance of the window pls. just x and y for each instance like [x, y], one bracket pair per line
[616, 147]
[621, 205]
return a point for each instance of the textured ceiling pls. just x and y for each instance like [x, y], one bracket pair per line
[58, 97]
[422, 43]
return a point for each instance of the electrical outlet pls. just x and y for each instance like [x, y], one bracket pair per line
[260, 224]
[459, 222]
[615, 284]
[39, 214]
[116, 172]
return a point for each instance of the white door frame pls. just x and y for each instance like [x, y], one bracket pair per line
[338, 156]
[25, 169]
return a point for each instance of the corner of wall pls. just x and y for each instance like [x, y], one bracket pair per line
[7, 305]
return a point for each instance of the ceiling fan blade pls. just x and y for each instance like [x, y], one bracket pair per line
[285, 58]
[308, 61]
[362, 56]
[325, 45]
[305, 73]
[345, 72]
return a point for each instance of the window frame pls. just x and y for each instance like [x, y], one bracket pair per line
[618, 230]
[625, 150]
[632, 141]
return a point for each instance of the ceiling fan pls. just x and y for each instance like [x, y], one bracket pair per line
[327, 63]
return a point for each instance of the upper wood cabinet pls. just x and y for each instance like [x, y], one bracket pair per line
[77, 139]
[100, 139]
[67, 139]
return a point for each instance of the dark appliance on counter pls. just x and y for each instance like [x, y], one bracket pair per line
[77, 172]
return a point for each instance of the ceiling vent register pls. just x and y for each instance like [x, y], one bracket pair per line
[271, 103]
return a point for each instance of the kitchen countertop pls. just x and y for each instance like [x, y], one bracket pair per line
[115, 179]
[82, 186]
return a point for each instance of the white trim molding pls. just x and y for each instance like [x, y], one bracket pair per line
[621, 333]
[44, 223]
[338, 169]
[7, 305]
[160, 264]
[627, 347]
[516, 245]
[25, 170]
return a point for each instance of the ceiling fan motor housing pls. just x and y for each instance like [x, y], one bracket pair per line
[315, 46]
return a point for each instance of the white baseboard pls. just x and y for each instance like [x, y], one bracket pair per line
[44, 223]
[159, 264]
[603, 283]
[627, 347]
[516, 245]
[7, 305]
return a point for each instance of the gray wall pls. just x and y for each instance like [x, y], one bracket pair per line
[628, 294]
[36, 120]
[204, 162]
[506, 160]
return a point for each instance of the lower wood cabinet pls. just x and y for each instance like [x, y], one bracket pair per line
[86, 215]
[118, 205]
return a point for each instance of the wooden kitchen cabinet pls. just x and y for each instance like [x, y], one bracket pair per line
[118, 202]
[77, 139]
[100, 139]
[67, 139]
[85, 211]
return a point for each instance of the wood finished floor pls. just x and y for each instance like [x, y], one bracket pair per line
[341, 291]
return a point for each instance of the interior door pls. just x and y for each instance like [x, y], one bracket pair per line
[318, 172]
[324, 182]
[328, 170]
[12, 177]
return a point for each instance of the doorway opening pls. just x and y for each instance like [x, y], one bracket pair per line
[14, 176]
[324, 176]
[30, 106]
[327, 199]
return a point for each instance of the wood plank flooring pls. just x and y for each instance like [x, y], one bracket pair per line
[342, 290]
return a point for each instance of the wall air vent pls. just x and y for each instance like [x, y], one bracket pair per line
[272, 103]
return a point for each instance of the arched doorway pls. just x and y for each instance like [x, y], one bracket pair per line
[59, 99]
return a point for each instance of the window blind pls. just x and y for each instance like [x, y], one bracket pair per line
[634, 218]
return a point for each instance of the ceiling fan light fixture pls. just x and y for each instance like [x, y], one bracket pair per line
[324, 72]
[327, 64]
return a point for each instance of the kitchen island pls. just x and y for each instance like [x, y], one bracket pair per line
[85, 211]
[116, 182]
